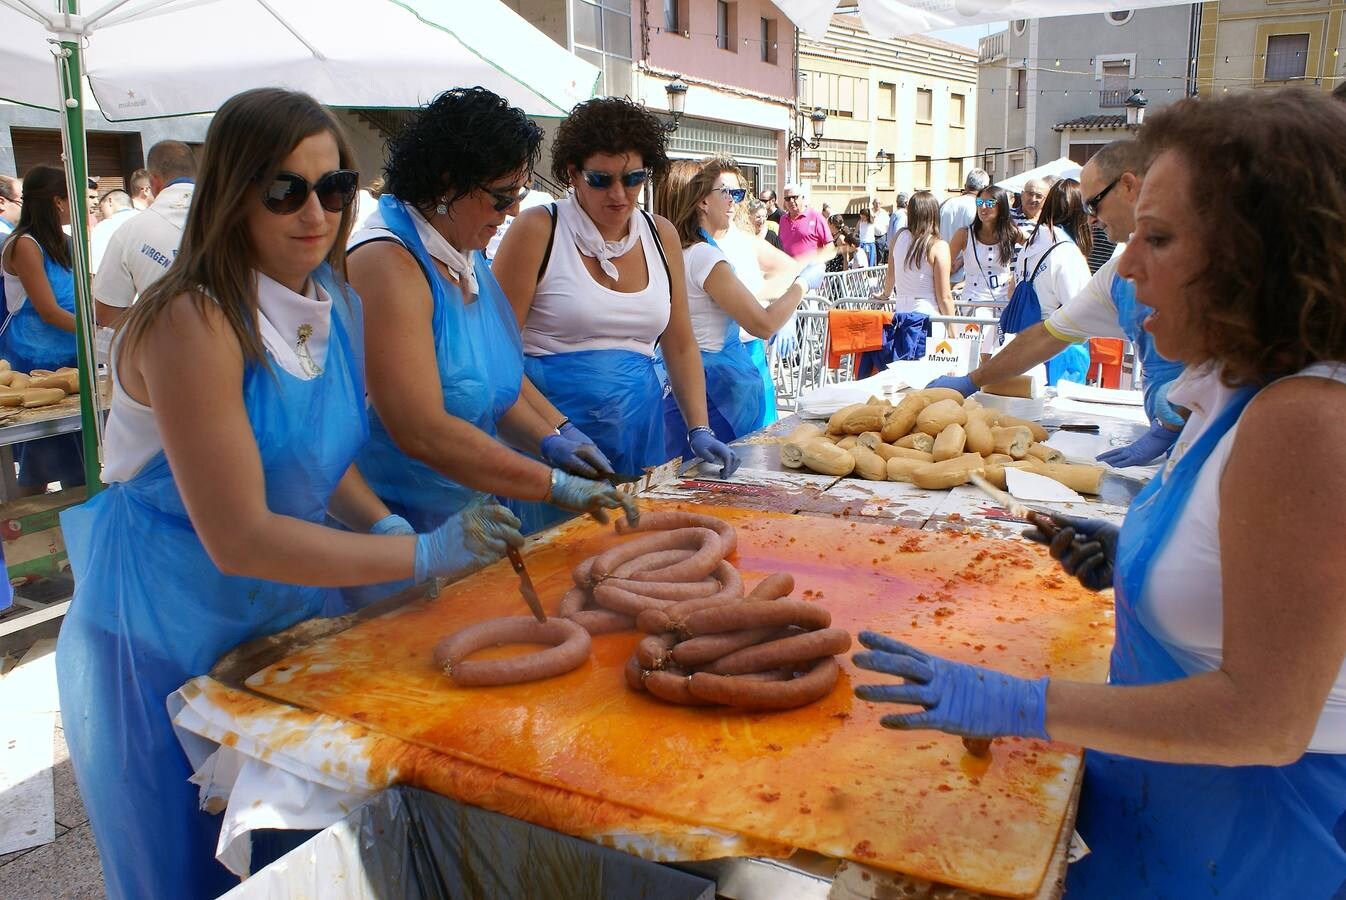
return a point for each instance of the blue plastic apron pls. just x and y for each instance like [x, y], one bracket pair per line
[151, 611]
[30, 343]
[757, 352]
[1158, 373]
[480, 359]
[735, 400]
[1167, 830]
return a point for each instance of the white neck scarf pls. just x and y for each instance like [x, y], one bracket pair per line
[459, 264]
[589, 242]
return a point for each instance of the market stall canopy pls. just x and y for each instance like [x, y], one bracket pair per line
[150, 58]
[896, 18]
[1057, 168]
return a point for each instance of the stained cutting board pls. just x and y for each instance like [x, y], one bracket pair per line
[826, 777]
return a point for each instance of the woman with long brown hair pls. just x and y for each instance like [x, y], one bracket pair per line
[237, 411]
[917, 277]
[987, 248]
[700, 200]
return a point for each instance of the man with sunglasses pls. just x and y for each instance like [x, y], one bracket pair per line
[803, 231]
[140, 251]
[1106, 307]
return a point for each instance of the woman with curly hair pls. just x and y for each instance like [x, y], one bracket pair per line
[700, 201]
[596, 283]
[1216, 761]
[444, 360]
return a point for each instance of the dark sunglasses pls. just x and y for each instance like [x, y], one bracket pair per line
[287, 193]
[505, 199]
[601, 181]
[734, 194]
[1091, 205]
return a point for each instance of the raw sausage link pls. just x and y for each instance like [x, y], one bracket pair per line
[671, 686]
[669, 520]
[756, 614]
[570, 651]
[779, 584]
[655, 621]
[602, 621]
[580, 574]
[749, 693]
[694, 539]
[794, 650]
[626, 602]
[701, 650]
[572, 602]
[673, 591]
[709, 552]
[652, 651]
[650, 561]
[728, 577]
[634, 676]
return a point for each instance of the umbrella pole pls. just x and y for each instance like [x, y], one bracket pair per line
[69, 70]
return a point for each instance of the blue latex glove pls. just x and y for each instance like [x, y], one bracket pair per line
[593, 497]
[474, 537]
[958, 698]
[1151, 446]
[711, 449]
[1086, 548]
[392, 525]
[572, 450]
[960, 383]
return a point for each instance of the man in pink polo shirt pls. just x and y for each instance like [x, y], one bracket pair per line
[803, 231]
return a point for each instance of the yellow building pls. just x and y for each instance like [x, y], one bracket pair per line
[1250, 44]
[901, 115]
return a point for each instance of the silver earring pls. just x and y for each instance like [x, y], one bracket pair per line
[441, 209]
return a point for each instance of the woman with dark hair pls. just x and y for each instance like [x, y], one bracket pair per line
[702, 207]
[39, 329]
[596, 282]
[1216, 761]
[987, 247]
[917, 277]
[1054, 259]
[237, 411]
[444, 361]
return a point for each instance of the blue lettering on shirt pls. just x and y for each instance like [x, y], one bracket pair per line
[155, 255]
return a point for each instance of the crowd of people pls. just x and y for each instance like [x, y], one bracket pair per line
[307, 415]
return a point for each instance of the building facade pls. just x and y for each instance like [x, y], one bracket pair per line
[1057, 87]
[901, 115]
[1258, 44]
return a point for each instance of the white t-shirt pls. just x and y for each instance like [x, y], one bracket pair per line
[1183, 603]
[881, 223]
[141, 251]
[102, 233]
[1064, 275]
[1091, 312]
[866, 232]
[131, 437]
[709, 320]
[913, 289]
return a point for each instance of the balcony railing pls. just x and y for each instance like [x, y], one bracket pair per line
[1113, 99]
[992, 47]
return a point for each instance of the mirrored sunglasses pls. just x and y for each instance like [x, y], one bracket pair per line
[983, 203]
[734, 194]
[601, 181]
[287, 193]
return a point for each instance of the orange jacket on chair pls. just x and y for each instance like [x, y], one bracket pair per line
[854, 331]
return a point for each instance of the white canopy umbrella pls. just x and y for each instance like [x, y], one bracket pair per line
[153, 58]
[896, 18]
[1057, 168]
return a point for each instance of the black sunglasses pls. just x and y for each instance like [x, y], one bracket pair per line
[287, 193]
[1091, 205]
[505, 199]
[601, 181]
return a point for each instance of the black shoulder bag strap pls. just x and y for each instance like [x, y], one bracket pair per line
[658, 245]
[551, 239]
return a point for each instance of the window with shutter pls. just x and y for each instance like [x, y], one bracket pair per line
[1287, 56]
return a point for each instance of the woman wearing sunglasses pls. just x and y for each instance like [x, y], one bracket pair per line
[596, 283]
[237, 411]
[1055, 259]
[39, 329]
[444, 360]
[987, 248]
[700, 200]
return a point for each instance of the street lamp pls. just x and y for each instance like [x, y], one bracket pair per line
[881, 159]
[677, 101]
[817, 119]
[1135, 107]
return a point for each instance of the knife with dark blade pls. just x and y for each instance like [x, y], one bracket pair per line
[526, 589]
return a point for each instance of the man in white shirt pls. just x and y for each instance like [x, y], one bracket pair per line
[113, 212]
[140, 251]
[1105, 307]
[880, 230]
[11, 204]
